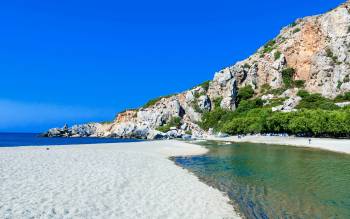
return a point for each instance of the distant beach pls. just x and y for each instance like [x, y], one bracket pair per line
[117, 180]
[330, 144]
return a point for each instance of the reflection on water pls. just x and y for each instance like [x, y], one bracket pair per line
[269, 181]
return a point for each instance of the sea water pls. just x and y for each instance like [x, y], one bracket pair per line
[269, 181]
[34, 139]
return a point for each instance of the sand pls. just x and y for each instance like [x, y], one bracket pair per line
[123, 180]
[336, 145]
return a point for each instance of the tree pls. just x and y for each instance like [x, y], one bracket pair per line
[245, 93]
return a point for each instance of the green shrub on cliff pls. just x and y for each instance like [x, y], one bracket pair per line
[245, 93]
[303, 93]
[277, 55]
[287, 76]
[156, 100]
[269, 46]
[343, 97]
[173, 122]
[217, 102]
[214, 118]
[299, 83]
[205, 85]
[316, 101]
[247, 105]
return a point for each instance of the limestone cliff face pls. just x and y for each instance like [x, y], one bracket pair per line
[143, 122]
[316, 47]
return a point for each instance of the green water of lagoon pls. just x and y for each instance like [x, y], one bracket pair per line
[271, 181]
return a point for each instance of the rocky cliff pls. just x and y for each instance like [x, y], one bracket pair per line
[313, 51]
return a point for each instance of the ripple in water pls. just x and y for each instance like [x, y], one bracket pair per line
[269, 181]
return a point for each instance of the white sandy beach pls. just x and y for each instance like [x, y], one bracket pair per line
[123, 180]
[336, 145]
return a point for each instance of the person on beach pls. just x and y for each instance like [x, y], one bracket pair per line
[309, 140]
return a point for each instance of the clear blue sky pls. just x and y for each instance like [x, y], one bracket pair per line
[79, 60]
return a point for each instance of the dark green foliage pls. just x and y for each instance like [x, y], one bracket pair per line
[296, 30]
[311, 122]
[293, 24]
[330, 54]
[287, 76]
[197, 95]
[288, 79]
[215, 118]
[245, 93]
[277, 55]
[339, 84]
[246, 66]
[303, 93]
[197, 108]
[271, 43]
[216, 102]
[320, 123]
[275, 102]
[277, 91]
[163, 128]
[320, 118]
[205, 85]
[265, 88]
[281, 39]
[152, 102]
[342, 98]
[299, 83]
[106, 122]
[316, 101]
[173, 122]
[252, 123]
[278, 122]
[246, 105]
[155, 100]
[269, 46]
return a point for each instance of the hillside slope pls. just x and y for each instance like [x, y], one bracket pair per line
[311, 54]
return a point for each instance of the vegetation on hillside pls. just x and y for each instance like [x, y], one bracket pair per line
[245, 93]
[315, 101]
[205, 85]
[173, 122]
[343, 98]
[316, 116]
[155, 100]
[288, 77]
[268, 47]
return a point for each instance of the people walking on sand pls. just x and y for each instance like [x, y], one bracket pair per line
[309, 140]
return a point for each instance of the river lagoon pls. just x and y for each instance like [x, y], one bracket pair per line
[272, 181]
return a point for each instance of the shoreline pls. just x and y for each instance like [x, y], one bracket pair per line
[328, 144]
[120, 180]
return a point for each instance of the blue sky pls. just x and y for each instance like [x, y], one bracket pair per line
[77, 61]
